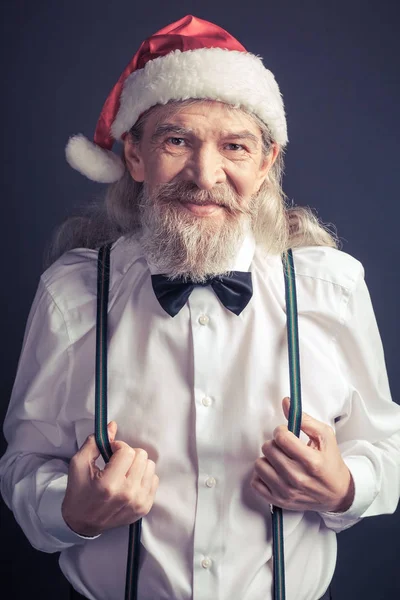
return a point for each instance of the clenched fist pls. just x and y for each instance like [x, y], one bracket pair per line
[120, 494]
[297, 476]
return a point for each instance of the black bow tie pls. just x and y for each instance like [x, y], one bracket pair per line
[234, 291]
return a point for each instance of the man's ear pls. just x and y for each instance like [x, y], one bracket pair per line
[266, 164]
[133, 159]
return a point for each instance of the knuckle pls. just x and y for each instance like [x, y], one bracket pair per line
[140, 451]
[147, 508]
[117, 446]
[297, 480]
[258, 465]
[120, 445]
[315, 467]
[286, 494]
[139, 504]
[130, 451]
[266, 446]
[280, 434]
[108, 491]
[148, 504]
[124, 497]
[254, 481]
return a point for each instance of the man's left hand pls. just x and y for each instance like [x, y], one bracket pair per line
[299, 476]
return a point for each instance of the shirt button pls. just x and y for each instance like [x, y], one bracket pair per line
[206, 401]
[204, 320]
[206, 563]
[210, 482]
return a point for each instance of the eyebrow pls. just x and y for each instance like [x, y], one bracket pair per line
[242, 135]
[166, 128]
[169, 128]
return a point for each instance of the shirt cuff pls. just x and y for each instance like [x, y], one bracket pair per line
[365, 492]
[50, 515]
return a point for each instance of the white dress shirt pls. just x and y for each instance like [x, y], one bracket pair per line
[200, 392]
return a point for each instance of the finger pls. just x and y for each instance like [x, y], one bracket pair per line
[291, 445]
[119, 463]
[112, 430]
[266, 472]
[154, 485]
[89, 451]
[283, 465]
[316, 430]
[136, 471]
[147, 479]
[263, 488]
[286, 406]
[82, 465]
[312, 444]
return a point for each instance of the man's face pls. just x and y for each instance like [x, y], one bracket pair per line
[206, 145]
[201, 167]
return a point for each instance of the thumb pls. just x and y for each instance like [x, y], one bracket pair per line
[286, 406]
[89, 449]
[310, 426]
[112, 430]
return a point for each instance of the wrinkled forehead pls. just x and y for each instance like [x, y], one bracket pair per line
[190, 113]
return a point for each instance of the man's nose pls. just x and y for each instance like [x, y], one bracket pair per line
[206, 168]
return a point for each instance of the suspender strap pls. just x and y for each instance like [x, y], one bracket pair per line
[294, 419]
[101, 434]
[103, 280]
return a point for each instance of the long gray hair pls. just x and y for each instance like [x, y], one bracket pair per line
[278, 226]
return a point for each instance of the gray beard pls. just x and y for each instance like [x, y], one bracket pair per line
[181, 244]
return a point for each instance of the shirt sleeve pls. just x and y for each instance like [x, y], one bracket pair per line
[368, 430]
[41, 440]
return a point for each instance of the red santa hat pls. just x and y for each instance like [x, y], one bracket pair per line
[191, 58]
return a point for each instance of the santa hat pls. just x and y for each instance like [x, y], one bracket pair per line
[191, 58]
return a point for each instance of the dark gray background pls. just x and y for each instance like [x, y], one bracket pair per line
[337, 64]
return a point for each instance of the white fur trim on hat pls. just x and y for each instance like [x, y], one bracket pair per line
[237, 78]
[96, 163]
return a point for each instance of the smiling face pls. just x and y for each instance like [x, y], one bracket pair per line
[206, 144]
[202, 166]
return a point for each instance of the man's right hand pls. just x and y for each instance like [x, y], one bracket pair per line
[120, 494]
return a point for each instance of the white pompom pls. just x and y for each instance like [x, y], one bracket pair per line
[92, 161]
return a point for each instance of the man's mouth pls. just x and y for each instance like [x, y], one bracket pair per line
[202, 209]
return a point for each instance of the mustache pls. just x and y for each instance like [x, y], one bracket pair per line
[188, 192]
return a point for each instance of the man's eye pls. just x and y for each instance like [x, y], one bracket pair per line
[235, 147]
[176, 141]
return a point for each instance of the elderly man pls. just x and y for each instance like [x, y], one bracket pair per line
[198, 378]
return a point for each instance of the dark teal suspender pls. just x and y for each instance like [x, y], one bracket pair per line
[294, 414]
[132, 570]
[100, 432]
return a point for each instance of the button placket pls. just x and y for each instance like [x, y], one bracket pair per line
[208, 539]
